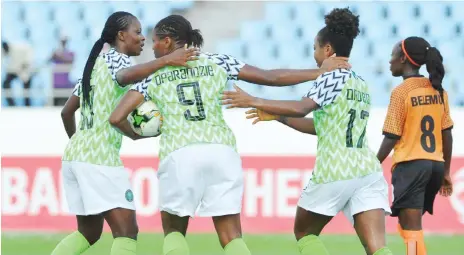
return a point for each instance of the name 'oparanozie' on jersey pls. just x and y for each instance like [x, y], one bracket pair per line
[182, 74]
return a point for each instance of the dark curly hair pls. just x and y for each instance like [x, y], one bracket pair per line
[179, 28]
[341, 28]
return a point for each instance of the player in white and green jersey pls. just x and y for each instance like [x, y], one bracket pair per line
[200, 170]
[96, 184]
[347, 176]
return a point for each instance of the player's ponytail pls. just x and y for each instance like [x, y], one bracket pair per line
[180, 30]
[197, 38]
[435, 68]
[118, 21]
[418, 52]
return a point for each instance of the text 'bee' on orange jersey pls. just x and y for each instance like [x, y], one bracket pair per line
[417, 116]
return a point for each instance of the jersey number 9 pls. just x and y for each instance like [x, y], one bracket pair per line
[198, 102]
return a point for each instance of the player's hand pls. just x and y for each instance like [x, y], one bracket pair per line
[237, 99]
[181, 56]
[335, 62]
[446, 187]
[260, 115]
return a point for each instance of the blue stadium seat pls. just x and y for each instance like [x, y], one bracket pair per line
[379, 30]
[361, 48]
[231, 47]
[278, 12]
[442, 29]
[254, 31]
[153, 12]
[434, 11]
[37, 14]
[310, 30]
[12, 11]
[369, 11]
[294, 53]
[401, 11]
[66, 13]
[457, 8]
[14, 31]
[133, 8]
[283, 32]
[181, 5]
[96, 11]
[308, 12]
[411, 28]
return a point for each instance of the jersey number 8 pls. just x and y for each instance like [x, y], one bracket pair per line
[198, 102]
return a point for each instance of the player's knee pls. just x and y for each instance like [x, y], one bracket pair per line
[92, 236]
[129, 231]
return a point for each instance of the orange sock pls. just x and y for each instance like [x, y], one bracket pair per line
[414, 241]
[400, 231]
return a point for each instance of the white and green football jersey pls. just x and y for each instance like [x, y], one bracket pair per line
[95, 140]
[189, 100]
[340, 122]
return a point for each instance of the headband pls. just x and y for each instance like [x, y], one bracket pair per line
[407, 55]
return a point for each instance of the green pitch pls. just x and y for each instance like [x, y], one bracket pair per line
[207, 244]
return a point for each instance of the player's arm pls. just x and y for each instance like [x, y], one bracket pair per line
[304, 125]
[394, 124]
[69, 109]
[118, 118]
[289, 108]
[287, 77]
[179, 57]
[447, 149]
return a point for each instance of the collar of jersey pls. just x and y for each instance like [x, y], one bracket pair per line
[114, 51]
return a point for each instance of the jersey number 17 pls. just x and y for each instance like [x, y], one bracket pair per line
[349, 129]
[198, 102]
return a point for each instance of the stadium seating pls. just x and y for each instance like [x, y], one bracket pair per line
[292, 27]
[283, 37]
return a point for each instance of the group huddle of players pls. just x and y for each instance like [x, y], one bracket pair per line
[200, 171]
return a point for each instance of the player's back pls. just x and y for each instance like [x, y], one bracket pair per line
[341, 123]
[95, 140]
[425, 115]
[189, 100]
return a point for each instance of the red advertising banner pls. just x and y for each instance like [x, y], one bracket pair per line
[33, 198]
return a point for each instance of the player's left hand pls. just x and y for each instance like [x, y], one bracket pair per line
[237, 99]
[260, 115]
[446, 187]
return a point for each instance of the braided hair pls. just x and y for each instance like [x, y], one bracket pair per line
[118, 21]
[419, 52]
[341, 28]
[180, 30]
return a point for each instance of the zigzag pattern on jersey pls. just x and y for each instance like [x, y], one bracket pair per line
[230, 64]
[101, 143]
[328, 86]
[335, 161]
[177, 131]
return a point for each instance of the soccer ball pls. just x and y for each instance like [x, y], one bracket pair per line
[146, 120]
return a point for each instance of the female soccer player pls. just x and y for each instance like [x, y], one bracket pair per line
[418, 126]
[97, 185]
[347, 176]
[199, 167]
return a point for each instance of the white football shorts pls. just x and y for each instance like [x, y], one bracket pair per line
[92, 189]
[201, 179]
[350, 196]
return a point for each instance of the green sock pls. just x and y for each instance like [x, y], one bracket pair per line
[237, 247]
[312, 245]
[74, 244]
[383, 251]
[175, 244]
[124, 246]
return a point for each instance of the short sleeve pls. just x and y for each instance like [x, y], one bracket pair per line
[116, 62]
[447, 122]
[328, 86]
[231, 65]
[77, 88]
[142, 87]
[396, 115]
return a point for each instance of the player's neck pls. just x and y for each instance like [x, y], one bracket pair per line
[411, 73]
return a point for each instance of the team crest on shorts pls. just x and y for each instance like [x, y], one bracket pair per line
[129, 195]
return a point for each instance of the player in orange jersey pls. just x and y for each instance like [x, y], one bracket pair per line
[418, 126]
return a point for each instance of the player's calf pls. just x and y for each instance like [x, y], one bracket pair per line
[124, 227]
[411, 231]
[229, 230]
